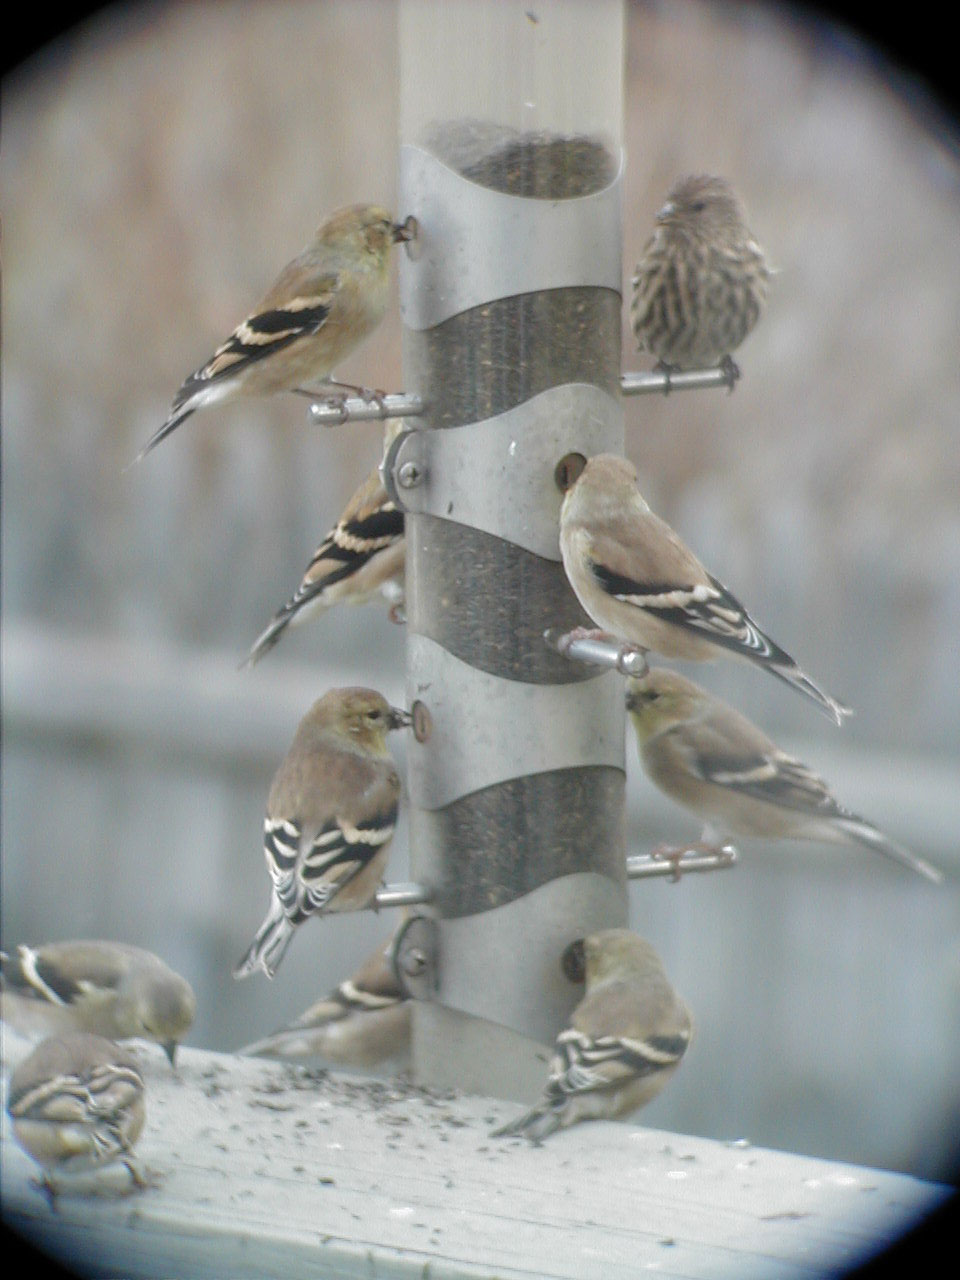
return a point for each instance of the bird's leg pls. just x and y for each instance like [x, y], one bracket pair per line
[46, 1187]
[370, 395]
[140, 1181]
[732, 370]
[321, 393]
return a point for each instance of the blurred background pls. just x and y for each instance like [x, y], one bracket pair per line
[160, 164]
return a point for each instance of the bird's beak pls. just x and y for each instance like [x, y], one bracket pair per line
[637, 695]
[404, 230]
[400, 719]
[667, 212]
[170, 1049]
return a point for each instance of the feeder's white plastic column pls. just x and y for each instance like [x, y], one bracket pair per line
[511, 297]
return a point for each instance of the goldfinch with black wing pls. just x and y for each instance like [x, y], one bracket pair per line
[331, 813]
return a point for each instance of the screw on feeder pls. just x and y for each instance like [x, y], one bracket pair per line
[414, 955]
[409, 475]
[413, 961]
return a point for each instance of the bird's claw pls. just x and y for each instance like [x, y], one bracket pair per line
[47, 1189]
[732, 371]
[667, 370]
[340, 404]
[563, 643]
[674, 854]
[376, 397]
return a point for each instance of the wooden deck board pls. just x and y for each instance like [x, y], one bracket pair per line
[265, 1170]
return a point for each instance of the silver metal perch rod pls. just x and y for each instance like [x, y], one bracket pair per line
[640, 866]
[625, 658]
[402, 895]
[333, 410]
[661, 382]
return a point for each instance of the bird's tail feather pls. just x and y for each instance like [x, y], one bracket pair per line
[161, 433]
[799, 680]
[536, 1124]
[269, 946]
[863, 833]
[269, 636]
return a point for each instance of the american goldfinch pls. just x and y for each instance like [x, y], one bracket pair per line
[701, 283]
[321, 306]
[330, 815]
[363, 556]
[638, 581]
[708, 757]
[363, 1022]
[625, 1040]
[109, 988]
[77, 1103]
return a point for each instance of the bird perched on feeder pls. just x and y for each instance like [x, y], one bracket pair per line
[364, 1022]
[711, 759]
[625, 1040]
[362, 557]
[701, 282]
[76, 1104]
[638, 581]
[321, 306]
[111, 989]
[331, 812]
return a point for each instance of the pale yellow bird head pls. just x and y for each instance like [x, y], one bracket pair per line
[605, 488]
[660, 699]
[158, 1006]
[618, 953]
[361, 232]
[357, 715]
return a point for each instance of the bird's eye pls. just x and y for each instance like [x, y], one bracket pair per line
[698, 206]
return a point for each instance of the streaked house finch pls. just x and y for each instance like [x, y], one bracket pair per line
[362, 557]
[639, 582]
[321, 306]
[711, 759]
[625, 1040]
[331, 812]
[701, 283]
[111, 989]
[76, 1104]
[364, 1022]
